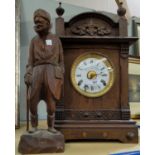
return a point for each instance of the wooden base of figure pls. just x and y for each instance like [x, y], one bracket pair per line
[124, 131]
[41, 141]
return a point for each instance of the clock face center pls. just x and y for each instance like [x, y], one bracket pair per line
[91, 75]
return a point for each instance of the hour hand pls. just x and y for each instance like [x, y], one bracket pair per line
[102, 74]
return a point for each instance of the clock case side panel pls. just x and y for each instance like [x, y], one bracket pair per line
[125, 108]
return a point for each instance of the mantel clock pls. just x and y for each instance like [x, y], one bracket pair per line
[94, 102]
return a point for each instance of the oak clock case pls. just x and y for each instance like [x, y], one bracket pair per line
[94, 103]
[92, 74]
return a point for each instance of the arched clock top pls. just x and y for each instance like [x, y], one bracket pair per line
[91, 24]
[93, 16]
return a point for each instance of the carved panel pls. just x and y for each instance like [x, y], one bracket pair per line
[91, 24]
[91, 30]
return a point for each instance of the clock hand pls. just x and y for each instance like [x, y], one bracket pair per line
[102, 74]
[93, 74]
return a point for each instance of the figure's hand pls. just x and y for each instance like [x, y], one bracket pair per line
[28, 79]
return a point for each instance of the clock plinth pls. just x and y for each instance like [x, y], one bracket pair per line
[88, 112]
[121, 130]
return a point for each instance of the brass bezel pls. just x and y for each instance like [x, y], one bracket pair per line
[81, 58]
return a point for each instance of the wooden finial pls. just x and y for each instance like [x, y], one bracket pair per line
[121, 10]
[60, 11]
[121, 3]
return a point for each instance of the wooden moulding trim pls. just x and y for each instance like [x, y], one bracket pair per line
[76, 127]
[91, 122]
[97, 39]
[134, 60]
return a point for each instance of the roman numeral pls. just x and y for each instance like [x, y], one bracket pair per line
[103, 82]
[85, 63]
[98, 86]
[91, 61]
[97, 64]
[78, 75]
[80, 82]
[102, 68]
[94, 82]
[79, 68]
[86, 87]
[92, 88]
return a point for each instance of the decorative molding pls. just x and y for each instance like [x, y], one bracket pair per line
[124, 51]
[125, 114]
[91, 30]
[70, 114]
[135, 60]
[59, 114]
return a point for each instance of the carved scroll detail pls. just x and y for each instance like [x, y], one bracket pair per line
[91, 30]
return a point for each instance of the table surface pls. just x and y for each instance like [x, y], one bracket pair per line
[83, 148]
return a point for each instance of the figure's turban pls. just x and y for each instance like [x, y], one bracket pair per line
[42, 13]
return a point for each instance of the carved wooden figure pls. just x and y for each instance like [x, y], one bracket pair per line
[44, 79]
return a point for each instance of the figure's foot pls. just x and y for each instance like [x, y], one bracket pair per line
[53, 130]
[33, 129]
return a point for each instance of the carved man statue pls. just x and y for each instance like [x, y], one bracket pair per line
[44, 75]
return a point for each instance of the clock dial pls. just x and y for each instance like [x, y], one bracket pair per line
[92, 74]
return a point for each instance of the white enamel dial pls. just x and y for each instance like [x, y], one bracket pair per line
[92, 74]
